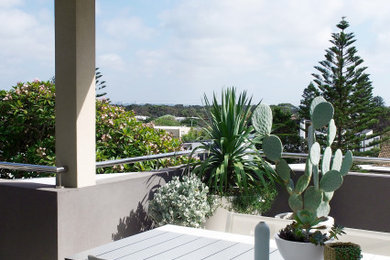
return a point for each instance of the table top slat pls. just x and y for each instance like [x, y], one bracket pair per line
[148, 244]
[156, 250]
[208, 250]
[231, 252]
[185, 249]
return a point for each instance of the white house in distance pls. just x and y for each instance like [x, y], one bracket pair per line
[176, 131]
[365, 144]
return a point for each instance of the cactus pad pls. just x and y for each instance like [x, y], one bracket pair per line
[290, 186]
[312, 198]
[262, 119]
[337, 160]
[308, 168]
[331, 181]
[306, 216]
[326, 158]
[322, 114]
[302, 184]
[328, 196]
[315, 153]
[315, 102]
[272, 147]
[283, 170]
[331, 132]
[295, 202]
[310, 136]
[347, 163]
[323, 210]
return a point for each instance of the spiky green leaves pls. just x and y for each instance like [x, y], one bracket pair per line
[272, 147]
[262, 119]
[331, 181]
[322, 114]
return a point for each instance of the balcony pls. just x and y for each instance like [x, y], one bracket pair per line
[41, 221]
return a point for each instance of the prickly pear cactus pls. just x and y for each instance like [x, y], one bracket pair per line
[311, 194]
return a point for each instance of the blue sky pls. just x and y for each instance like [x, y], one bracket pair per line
[173, 51]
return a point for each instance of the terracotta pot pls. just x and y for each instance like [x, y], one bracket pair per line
[330, 252]
[291, 250]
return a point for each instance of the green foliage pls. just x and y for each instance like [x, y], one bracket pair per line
[27, 123]
[100, 84]
[257, 201]
[294, 232]
[120, 135]
[313, 206]
[233, 165]
[343, 251]
[181, 202]
[155, 111]
[286, 127]
[342, 80]
[166, 120]
[195, 135]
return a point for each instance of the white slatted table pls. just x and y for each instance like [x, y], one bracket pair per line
[176, 242]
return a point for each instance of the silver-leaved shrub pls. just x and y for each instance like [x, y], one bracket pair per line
[181, 202]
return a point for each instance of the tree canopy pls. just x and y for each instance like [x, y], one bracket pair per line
[341, 79]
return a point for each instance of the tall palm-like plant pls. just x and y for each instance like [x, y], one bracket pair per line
[233, 165]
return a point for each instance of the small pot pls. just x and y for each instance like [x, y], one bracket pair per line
[330, 252]
[291, 250]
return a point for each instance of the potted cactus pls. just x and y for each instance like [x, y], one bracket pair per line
[310, 195]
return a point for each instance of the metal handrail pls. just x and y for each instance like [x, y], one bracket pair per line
[109, 163]
[142, 158]
[31, 167]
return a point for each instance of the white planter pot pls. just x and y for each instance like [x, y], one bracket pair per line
[218, 220]
[291, 250]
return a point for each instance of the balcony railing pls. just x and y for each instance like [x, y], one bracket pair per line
[109, 163]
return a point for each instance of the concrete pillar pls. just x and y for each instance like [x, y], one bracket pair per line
[75, 90]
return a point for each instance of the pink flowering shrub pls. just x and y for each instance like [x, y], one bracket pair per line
[27, 126]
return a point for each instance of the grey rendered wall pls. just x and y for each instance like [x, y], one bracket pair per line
[41, 222]
[109, 211]
[28, 221]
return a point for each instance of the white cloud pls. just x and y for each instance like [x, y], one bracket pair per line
[111, 61]
[124, 27]
[27, 43]
[10, 3]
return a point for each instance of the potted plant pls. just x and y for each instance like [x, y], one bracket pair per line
[309, 197]
[342, 251]
[233, 168]
[181, 202]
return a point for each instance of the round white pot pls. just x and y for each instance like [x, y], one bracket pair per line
[291, 250]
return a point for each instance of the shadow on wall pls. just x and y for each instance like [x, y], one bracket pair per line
[138, 219]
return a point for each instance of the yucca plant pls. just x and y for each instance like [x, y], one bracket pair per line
[233, 165]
